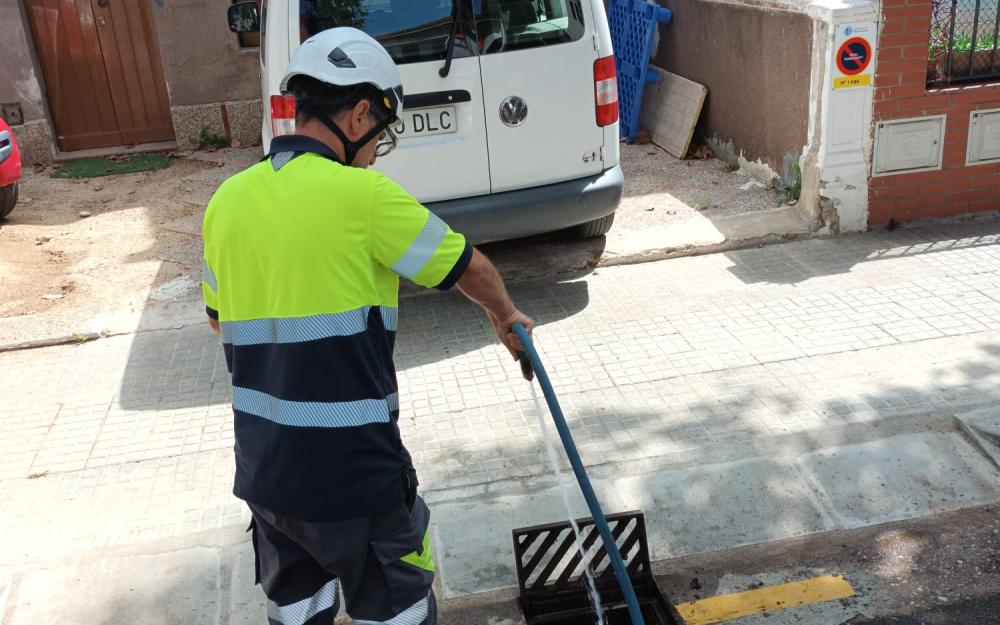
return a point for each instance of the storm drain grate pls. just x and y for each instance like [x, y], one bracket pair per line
[550, 573]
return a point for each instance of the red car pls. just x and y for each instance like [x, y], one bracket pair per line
[10, 169]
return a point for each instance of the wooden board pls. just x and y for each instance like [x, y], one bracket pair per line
[670, 111]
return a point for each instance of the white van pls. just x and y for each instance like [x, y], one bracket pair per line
[510, 109]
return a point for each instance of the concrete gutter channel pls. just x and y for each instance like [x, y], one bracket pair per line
[803, 487]
[754, 493]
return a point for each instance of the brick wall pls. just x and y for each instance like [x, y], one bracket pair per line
[901, 92]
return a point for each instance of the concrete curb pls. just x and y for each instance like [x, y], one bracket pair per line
[83, 337]
[408, 291]
[983, 428]
[648, 256]
[156, 316]
[80, 339]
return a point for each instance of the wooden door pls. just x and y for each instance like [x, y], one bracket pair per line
[102, 70]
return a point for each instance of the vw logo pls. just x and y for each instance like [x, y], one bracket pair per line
[513, 110]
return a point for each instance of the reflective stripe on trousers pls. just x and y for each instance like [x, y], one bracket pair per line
[423, 612]
[324, 604]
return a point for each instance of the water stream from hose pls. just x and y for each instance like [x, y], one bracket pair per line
[564, 490]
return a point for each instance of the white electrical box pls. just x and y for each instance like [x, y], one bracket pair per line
[984, 137]
[909, 145]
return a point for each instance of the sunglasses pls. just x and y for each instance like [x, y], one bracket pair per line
[388, 142]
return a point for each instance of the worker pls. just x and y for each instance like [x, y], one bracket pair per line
[302, 258]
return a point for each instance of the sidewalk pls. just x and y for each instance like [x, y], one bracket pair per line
[735, 398]
[134, 265]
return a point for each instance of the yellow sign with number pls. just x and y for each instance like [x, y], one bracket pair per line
[846, 82]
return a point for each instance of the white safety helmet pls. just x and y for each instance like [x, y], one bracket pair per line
[345, 57]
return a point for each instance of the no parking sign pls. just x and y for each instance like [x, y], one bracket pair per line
[854, 55]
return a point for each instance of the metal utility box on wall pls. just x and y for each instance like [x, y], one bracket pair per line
[11, 113]
[984, 137]
[909, 145]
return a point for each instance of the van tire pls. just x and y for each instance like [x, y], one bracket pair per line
[8, 198]
[594, 229]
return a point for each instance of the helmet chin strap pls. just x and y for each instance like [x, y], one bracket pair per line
[351, 148]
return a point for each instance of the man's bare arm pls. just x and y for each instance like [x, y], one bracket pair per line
[482, 284]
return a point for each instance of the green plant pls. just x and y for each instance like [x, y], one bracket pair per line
[210, 139]
[938, 43]
[792, 190]
[963, 42]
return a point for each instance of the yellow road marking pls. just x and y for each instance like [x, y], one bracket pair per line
[768, 599]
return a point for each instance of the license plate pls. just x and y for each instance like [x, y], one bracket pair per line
[426, 122]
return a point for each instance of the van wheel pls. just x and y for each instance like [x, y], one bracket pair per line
[8, 198]
[594, 229]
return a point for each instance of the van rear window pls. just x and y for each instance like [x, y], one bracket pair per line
[411, 30]
[505, 25]
[417, 30]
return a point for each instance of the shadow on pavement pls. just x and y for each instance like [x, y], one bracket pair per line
[185, 368]
[441, 326]
[708, 479]
[984, 609]
[762, 419]
[796, 262]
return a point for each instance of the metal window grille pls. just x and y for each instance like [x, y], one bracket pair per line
[963, 42]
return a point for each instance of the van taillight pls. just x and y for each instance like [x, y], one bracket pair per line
[282, 115]
[606, 91]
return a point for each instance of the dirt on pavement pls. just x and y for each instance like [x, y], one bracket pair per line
[62, 273]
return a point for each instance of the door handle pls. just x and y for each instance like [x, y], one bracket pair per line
[435, 98]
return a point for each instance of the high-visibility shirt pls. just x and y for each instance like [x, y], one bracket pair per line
[302, 260]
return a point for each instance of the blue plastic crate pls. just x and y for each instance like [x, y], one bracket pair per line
[633, 29]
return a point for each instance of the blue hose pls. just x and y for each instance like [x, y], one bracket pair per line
[581, 476]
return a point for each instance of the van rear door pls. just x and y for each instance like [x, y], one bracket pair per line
[442, 152]
[537, 60]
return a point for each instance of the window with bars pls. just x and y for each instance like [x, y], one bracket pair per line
[963, 42]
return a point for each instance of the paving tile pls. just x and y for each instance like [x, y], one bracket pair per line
[650, 361]
[176, 587]
[901, 477]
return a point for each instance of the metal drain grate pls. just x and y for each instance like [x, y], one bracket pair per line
[550, 573]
